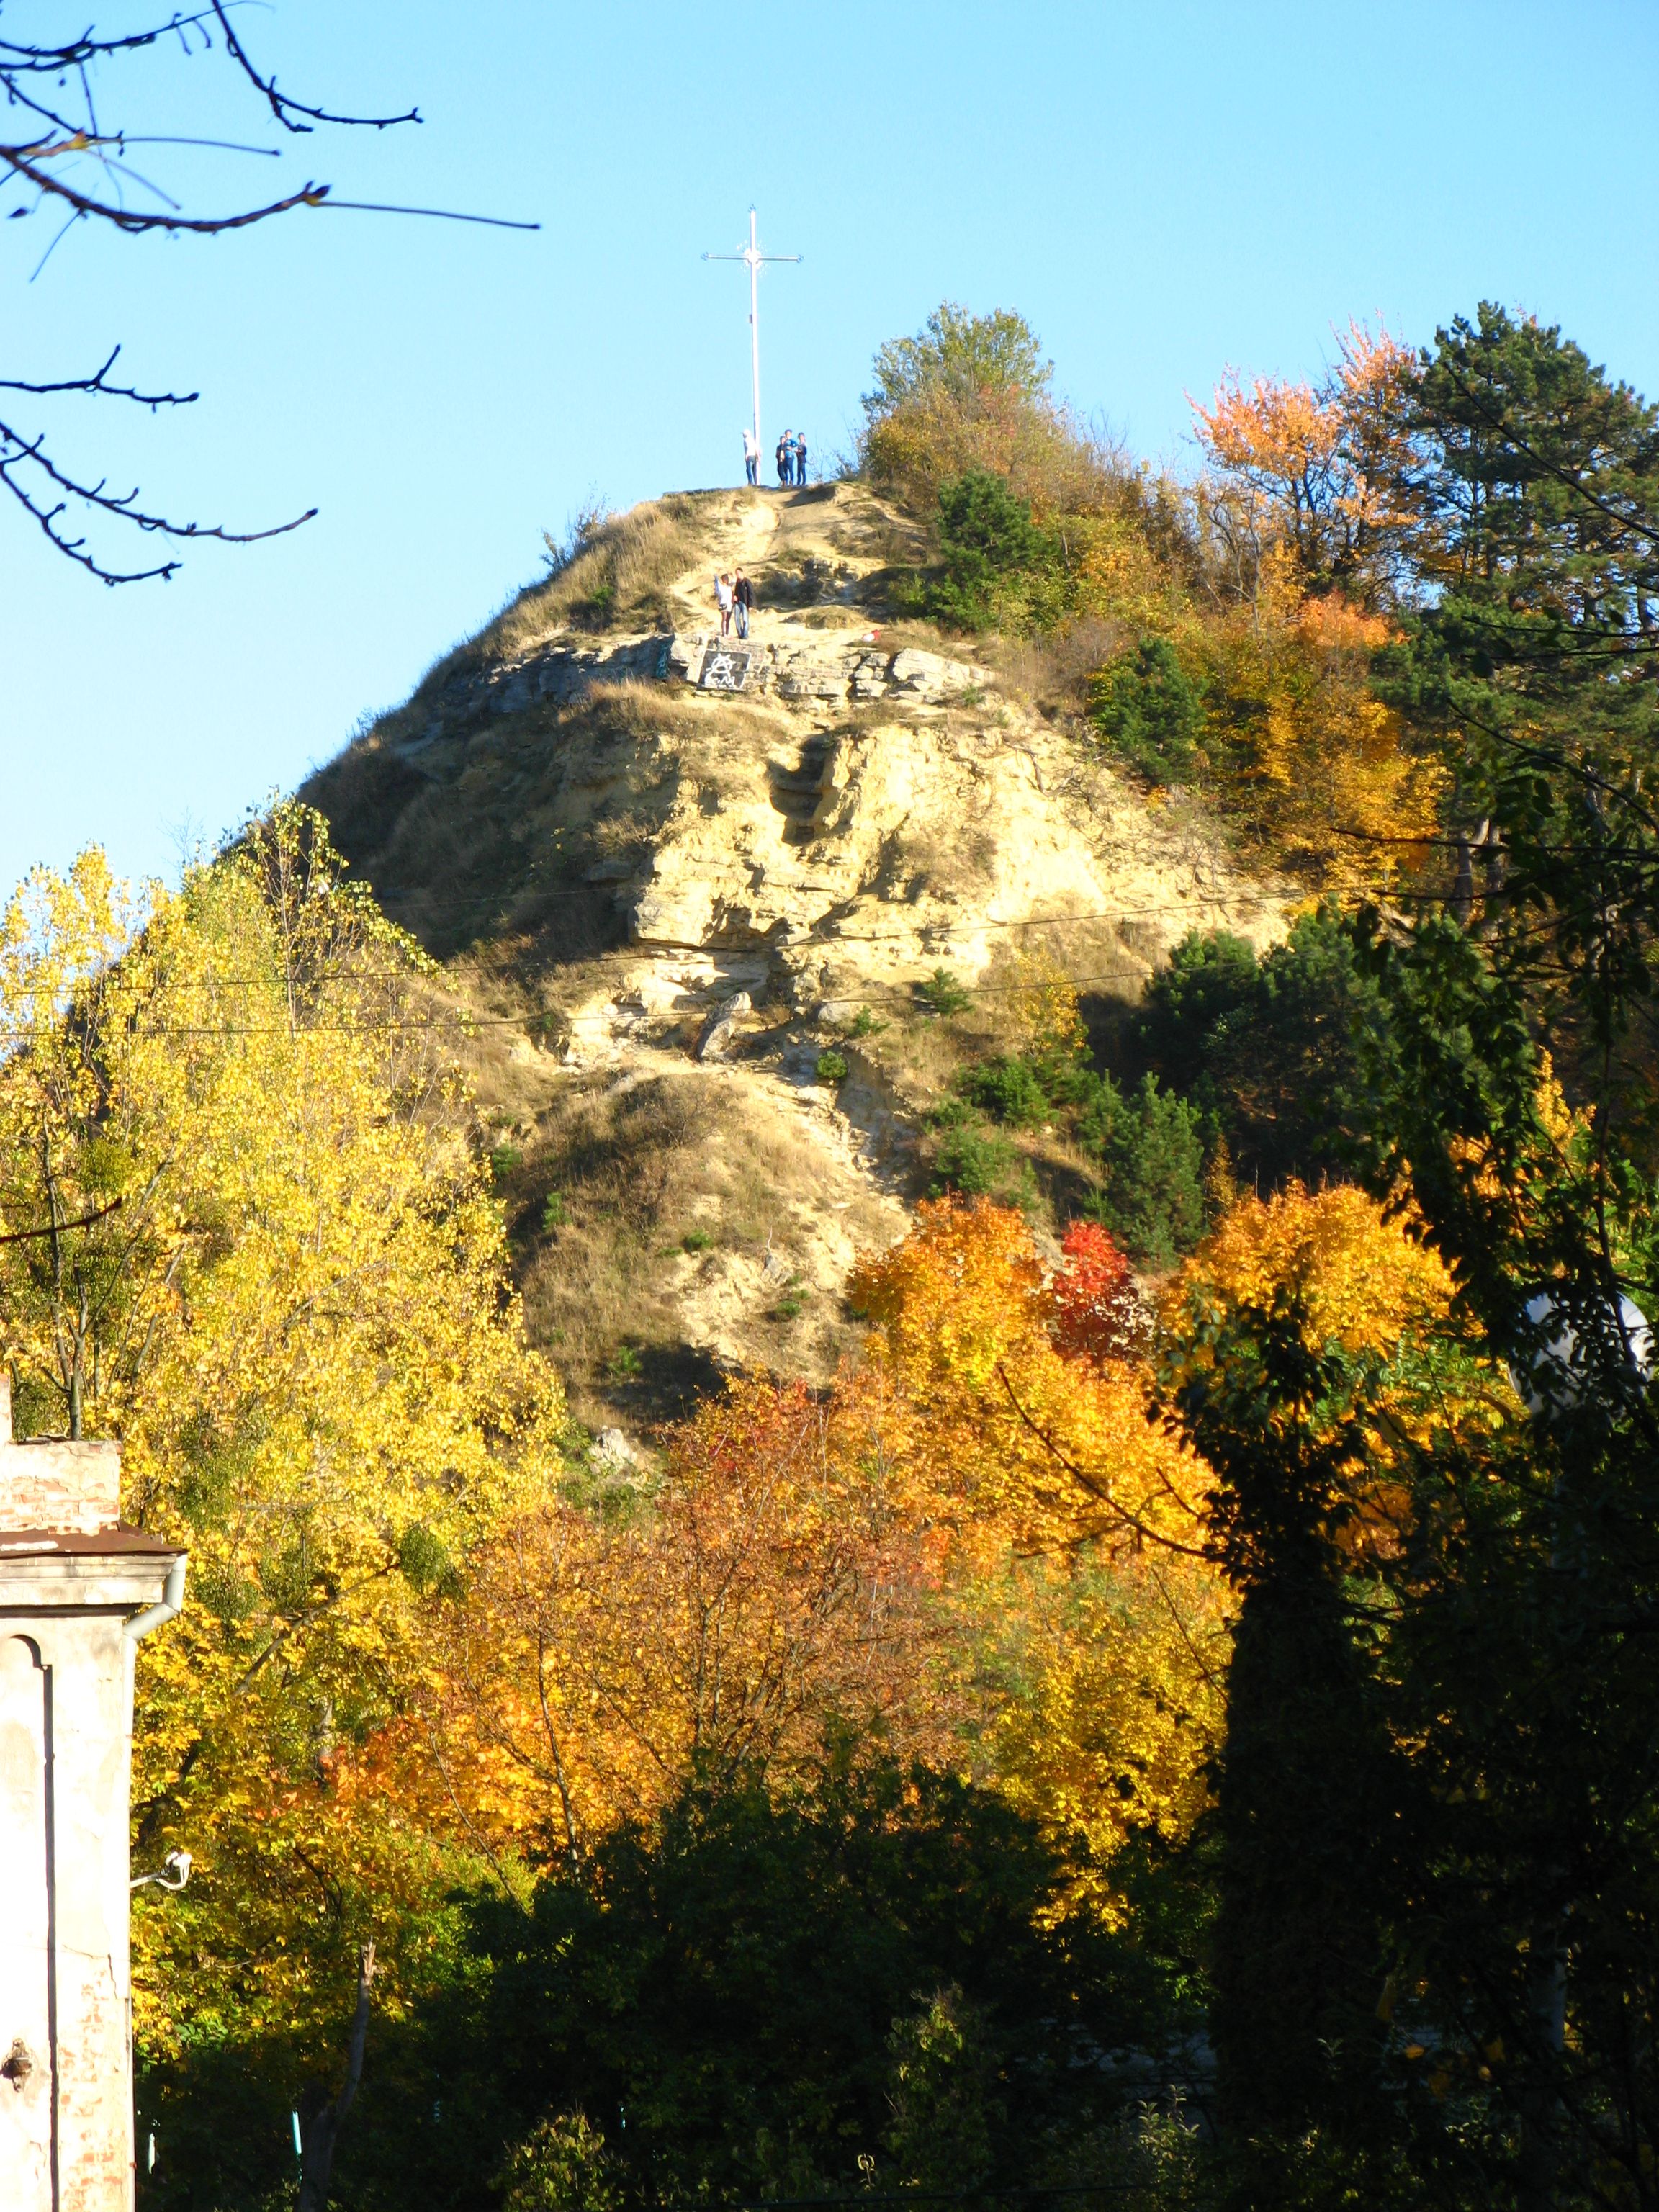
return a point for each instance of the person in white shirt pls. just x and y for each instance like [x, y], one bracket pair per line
[723, 601]
[751, 456]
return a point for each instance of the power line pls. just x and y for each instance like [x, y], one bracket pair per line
[529, 895]
[1191, 909]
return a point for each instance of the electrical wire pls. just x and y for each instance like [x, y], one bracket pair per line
[1192, 909]
[464, 1021]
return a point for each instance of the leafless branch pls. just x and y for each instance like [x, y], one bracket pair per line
[53, 1228]
[25, 162]
[292, 114]
[99, 382]
[18, 453]
[68, 160]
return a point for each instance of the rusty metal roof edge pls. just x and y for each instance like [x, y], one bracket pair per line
[112, 1542]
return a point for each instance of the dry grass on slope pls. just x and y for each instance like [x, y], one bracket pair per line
[619, 578]
[672, 1225]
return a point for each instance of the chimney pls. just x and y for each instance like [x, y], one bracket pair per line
[51, 1484]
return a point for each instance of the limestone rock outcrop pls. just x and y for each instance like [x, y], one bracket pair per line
[672, 867]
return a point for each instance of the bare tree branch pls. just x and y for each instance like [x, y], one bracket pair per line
[24, 162]
[98, 382]
[18, 454]
[70, 162]
[53, 1228]
[289, 112]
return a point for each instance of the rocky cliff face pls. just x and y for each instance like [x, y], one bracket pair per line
[675, 866]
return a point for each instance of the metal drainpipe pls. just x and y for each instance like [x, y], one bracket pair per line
[172, 1605]
[153, 1616]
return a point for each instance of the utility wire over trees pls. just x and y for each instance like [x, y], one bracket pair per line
[71, 162]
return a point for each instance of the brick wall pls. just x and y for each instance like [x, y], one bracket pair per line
[54, 1485]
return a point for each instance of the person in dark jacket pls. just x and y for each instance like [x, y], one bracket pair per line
[800, 457]
[743, 602]
[785, 454]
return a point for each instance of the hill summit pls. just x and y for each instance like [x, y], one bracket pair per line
[700, 892]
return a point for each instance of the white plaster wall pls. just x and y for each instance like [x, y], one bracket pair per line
[64, 1722]
[65, 1746]
[26, 2099]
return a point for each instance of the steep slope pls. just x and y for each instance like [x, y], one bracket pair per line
[669, 869]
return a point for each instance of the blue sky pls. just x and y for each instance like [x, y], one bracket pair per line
[1163, 187]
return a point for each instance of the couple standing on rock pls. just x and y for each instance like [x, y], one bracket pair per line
[735, 598]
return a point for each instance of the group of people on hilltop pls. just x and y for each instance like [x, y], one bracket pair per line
[790, 457]
[734, 596]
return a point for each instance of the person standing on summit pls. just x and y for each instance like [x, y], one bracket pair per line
[800, 457]
[785, 455]
[750, 455]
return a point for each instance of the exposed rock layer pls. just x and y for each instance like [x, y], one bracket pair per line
[667, 850]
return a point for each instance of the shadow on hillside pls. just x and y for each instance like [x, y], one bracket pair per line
[670, 1379]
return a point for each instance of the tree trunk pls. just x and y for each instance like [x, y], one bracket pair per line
[1540, 2113]
[1298, 1963]
[320, 2115]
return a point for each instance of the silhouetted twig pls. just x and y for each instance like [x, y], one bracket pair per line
[70, 161]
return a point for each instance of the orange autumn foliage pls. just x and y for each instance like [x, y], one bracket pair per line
[766, 1593]
[1318, 468]
[1305, 502]
[975, 1548]
[1017, 1442]
[1319, 765]
[1017, 1415]
[901, 1560]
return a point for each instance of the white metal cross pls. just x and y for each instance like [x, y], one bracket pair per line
[757, 261]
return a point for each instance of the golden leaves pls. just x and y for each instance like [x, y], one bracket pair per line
[762, 1593]
[1364, 1280]
[1016, 1442]
[854, 1565]
[1367, 1287]
[300, 1326]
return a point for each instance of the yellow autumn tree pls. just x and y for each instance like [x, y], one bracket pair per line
[1317, 766]
[997, 1427]
[1364, 1283]
[1304, 504]
[974, 1549]
[1364, 1279]
[1078, 1524]
[277, 1275]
